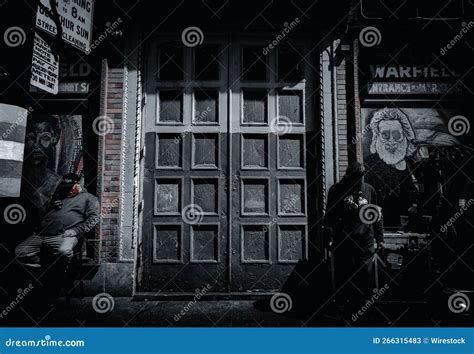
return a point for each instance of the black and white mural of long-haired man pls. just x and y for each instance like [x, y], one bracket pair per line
[394, 142]
[392, 137]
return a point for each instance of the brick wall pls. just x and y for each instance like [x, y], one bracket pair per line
[342, 122]
[109, 162]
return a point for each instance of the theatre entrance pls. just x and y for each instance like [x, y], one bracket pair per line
[229, 175]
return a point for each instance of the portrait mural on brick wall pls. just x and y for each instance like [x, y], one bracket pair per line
[53, 147]
[394, 141]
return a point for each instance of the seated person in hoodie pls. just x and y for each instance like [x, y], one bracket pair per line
[71, 213]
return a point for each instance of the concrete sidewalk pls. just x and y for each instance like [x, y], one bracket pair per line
[127, 312]
[222, 313]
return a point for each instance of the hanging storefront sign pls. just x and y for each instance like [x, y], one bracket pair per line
[44, 67]
[68, 88]
[76, 22]
[414, 88]
[412, 80]
[12, 138]
[74, 78]
[409, 72]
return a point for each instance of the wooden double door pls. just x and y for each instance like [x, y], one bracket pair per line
[229, 175]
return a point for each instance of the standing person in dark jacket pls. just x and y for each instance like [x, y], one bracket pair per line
[353, 221]
[71, 213]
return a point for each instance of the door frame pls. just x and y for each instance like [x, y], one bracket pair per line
[227, 39]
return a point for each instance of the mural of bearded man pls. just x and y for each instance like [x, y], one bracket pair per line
[393, 137]
[393, 142]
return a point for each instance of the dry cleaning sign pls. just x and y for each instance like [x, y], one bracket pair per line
[76, 22]
[44, 67]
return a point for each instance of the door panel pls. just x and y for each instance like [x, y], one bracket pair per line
[184, 228]
[229, 174]
[270, 123]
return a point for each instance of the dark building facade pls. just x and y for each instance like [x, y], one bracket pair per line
[225, 129]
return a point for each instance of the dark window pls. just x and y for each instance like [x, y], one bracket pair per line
[397, 9]
[290, 64]
[254, 65]
[171, 63]
[206, 66]
[441, 8]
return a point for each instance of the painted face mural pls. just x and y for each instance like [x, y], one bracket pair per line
[53, 147]
[39, 143]
[391, 143]
[392, 138]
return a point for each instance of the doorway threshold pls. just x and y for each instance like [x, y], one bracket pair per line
[151, 296]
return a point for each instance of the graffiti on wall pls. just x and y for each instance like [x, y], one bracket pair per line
[53, 147]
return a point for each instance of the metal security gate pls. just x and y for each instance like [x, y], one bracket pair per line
[228, 137]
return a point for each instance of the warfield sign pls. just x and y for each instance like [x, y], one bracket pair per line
[409, 72]
[412, 80]
[415, 88]
[76, 22]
